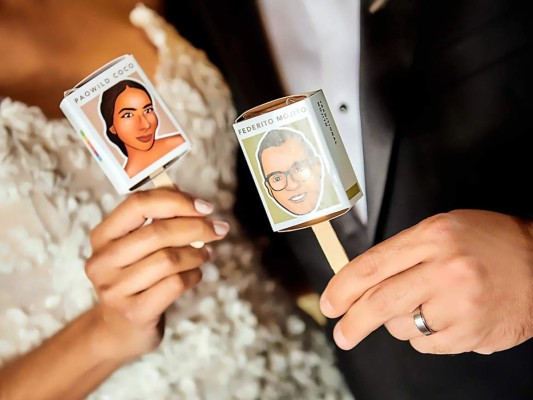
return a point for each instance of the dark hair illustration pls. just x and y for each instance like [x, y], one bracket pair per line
[107, 108]
[277, 137]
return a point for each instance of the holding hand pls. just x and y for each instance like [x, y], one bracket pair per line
[139, 270]
[471, 273]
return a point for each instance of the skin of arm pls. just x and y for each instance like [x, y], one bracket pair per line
[80, 364]
[138, 271]
[471, 270]
[77, 359]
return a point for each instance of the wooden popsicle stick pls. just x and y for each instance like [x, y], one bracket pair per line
[162, 180]
[331, 246]
[337, 258]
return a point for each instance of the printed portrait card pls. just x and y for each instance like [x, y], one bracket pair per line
[124, 123]
[298, 161]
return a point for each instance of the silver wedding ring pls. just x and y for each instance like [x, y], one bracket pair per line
[421, 323]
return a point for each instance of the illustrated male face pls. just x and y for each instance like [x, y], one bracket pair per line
[134, 119]
[292, 176]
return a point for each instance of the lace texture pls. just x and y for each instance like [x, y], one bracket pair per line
[236, 336]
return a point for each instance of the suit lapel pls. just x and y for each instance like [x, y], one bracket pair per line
[386, 54]
[231, 33]
[237, 30]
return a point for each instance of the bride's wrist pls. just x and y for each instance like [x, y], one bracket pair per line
[103, 347]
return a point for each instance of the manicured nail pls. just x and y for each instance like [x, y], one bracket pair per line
[340, 339]
[203, 207]
[221, 227]
[326, 307]
[197, 245]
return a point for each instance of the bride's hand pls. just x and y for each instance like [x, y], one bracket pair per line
[139, 270]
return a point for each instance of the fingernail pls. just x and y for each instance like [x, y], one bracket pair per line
[203, 207]
[339, 338]
[326, 307]
[197, 245]
[221, 227]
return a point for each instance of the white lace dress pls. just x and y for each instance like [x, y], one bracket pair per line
[236, 336]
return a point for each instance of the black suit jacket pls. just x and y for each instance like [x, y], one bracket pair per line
[446, 119]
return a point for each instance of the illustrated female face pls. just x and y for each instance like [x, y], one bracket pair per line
[134, 119]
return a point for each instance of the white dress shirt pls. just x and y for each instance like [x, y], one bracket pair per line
[315, 45]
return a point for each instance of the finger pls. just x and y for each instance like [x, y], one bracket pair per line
[403, 327]
[457, 330]
[447, 341]
[152, 269]
[175, 232]
[153, 302]
[399, 253]
[395, 296]
[136, 209]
